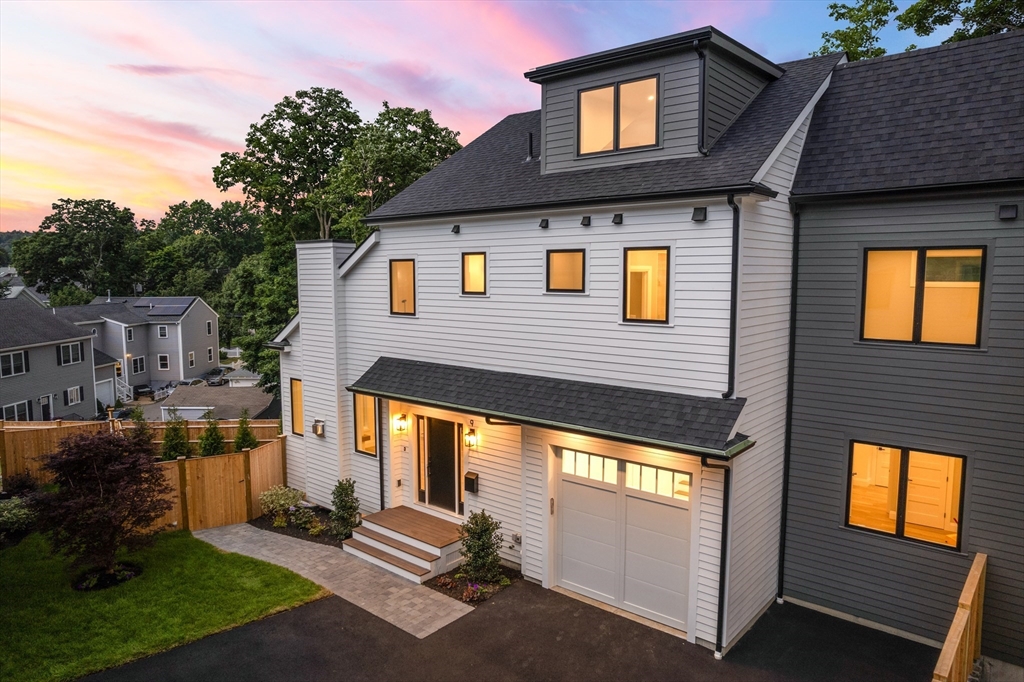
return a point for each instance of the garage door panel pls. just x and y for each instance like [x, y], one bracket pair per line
[589, 499]
[589, 525]
[654, 544]
[589, 578]
[592, 551]
[667, 519]
[656, 600]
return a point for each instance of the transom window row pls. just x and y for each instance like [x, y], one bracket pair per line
[642, 477]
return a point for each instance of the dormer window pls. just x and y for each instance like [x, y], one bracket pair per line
[619, 116]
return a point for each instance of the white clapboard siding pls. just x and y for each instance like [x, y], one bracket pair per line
[535, 508]
[709, 546]
[295, 446]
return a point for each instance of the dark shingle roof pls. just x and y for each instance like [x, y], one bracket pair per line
[946, 115]
[489, 174]
[93, 311]
[129, 310]
[26, 324]
[669, 420]
[99, 358]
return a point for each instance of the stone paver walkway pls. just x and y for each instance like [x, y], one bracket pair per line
[414, 608]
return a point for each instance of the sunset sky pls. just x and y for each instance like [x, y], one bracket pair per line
[135, 102]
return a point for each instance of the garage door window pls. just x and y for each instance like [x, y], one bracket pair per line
[658, 481]
[590, 466]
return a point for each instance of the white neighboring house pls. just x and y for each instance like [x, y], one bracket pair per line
[242, 378]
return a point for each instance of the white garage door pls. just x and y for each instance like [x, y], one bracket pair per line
[624, 535]
[105, 392]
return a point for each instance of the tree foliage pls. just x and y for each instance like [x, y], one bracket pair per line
[345, 515]
[109, 493]
[481, 540]
[977, 18]
[244, 437]
[211, 440]
[69, 294]
[175, 443]
[859, 39]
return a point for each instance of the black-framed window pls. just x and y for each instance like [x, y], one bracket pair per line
[139, 364]
[18, 412]
[923, 295]
[13, 364]
[161, 331]
[618, 116]
[129, 334]
[70, 353]
[365, 418]
[474, 273]
[906, 493]
[645, 284]
[163, 362]
[295, 398]
[566, 270]
[209, 327]
[402, 278]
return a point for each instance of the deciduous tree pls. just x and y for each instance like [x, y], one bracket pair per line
[859, 39]
[977, 17]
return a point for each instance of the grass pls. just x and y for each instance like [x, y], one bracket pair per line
[188, 589]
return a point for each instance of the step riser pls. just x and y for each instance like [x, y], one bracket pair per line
[394, 535]
[390, 567]
[394, 551]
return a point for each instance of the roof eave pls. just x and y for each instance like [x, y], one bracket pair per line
[980, 185]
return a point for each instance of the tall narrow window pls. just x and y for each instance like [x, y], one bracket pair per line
[191, 358]
[129, 334]
[295, 387]
[403, 287]
[923, 295]
[645, 285]
[597, 120]
[209, 354]
[619, 116]
[209, 327]
[474, 273]
[366, 423]
[638, 113]
[566, 269]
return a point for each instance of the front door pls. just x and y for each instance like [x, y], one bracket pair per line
[44, 407]
[442, 469]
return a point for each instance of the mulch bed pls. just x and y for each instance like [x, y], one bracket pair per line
[266, 522]
[98, 579]
[448, 585]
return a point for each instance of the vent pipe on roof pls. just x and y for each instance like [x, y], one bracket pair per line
[108, 295]
[529, 146]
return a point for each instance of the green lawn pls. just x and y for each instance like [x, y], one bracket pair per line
[188, 589]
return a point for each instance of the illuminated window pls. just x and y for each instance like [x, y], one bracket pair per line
[403, 287]
[658, 481]
[939, 303]
[906, 493]
[590, 466]
[474, 273]
[298, 420]
[366, 424]
[646, 285]
[620, 116]
[565, 270]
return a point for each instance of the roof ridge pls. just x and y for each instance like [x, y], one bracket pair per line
[926, 51]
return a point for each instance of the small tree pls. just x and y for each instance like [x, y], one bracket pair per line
[211, 440]
[175, 437]
[109, 493]
[345, 516]
[480, 544]
[245, 438]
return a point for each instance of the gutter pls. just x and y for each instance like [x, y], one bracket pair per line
[734, 294]
[942, 188]
[790, 374]
[702, 67]
[724, 554]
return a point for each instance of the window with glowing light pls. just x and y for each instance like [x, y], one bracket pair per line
[403, 287]
[619, 116]
[645, 285]
[366, 423]
[298, 419]
[474, 274]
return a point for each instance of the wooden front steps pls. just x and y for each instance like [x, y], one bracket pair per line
[407, 542]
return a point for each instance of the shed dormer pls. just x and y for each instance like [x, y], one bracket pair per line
[666, 98]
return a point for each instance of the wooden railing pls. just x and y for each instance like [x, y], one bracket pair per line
[963, 643]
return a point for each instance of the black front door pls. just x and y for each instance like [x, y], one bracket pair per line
[441, 476]
[44, 404]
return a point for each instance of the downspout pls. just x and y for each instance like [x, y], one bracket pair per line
[380, 459]
[701, 59]
[790, 373]
[724, 555]
[733, 307]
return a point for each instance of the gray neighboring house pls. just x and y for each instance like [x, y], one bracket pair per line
[46, 365]
[20, 290]
[907, 419]
[153, 340]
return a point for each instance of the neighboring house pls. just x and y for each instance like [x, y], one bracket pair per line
[18, 289]
[155, 340]
[580, 323]
[242, 378]
[192, 402]
[106, 377]
[46, 365]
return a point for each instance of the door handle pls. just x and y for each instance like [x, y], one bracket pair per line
[552, 504]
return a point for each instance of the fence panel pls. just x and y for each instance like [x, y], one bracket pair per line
[215, 491]
[172, 520]
[23, 448]
[266, 466]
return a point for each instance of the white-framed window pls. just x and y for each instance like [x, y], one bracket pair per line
[585, 465]
[209, 327]
[139, 365]
[658, 481]
[129, 334]
[70, 353]
[94, 331]
[161, 331]
[191, 359]
[209, 354]
[18, 412]
[13, 364]
[163, 362]
[73, 395]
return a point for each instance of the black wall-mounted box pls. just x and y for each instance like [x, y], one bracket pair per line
[472, 482]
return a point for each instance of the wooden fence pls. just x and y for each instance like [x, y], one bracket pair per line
[963, 643]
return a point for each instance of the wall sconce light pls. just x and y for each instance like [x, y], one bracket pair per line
[543, 223]
[318, 427]
[700, 214]
[586, 221]
[471, 438]
[617, 219]
[456, 229]
[401, 423]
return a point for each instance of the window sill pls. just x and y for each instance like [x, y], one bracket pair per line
[648, 325]
[918, 347]
[365, 454]
[403, 316]
[904, 541]
[618, 152]
[567, 293]
[472, 296]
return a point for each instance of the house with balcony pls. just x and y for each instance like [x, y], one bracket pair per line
[580, 323]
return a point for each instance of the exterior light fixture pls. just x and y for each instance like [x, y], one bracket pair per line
[318, 427]
[401, 423]
[471, 438]
[586, 221]
[543, 223]
[456, 229]
[700, 214]
[617, 219]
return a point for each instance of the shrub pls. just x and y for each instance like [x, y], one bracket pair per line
[480, 544]
[15, 517]
[109, 493]
[245, 438]
[175, 438]
[301, 517]
[279, 499]
[345, 516]
[20, 485]
[211, 440]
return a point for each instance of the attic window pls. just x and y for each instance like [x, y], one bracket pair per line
[619, 116]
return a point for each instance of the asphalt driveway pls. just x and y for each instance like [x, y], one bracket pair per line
[528, 633]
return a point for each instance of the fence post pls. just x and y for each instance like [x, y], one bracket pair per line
[4, 467]
[247, 461]
[284, 460]
[182, 493]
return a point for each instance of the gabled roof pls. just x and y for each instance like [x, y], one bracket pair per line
[129, 311]
[94, 312]
[657, 418]
[490, 174]
[946, 115]
[26, 324]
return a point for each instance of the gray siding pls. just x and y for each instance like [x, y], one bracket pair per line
[157, 347]
[728, 89]
[679, 76]
[964, 402]
[46, 377]
[194, 338]
[138, 346]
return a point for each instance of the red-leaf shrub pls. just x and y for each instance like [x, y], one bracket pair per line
[110, 491]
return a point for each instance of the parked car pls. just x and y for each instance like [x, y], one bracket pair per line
[215, 377]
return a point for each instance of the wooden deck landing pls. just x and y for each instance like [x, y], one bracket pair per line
[417, 525]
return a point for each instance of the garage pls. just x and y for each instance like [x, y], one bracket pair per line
[105, 392]
[623, 535]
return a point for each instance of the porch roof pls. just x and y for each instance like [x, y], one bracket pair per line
[674, 421]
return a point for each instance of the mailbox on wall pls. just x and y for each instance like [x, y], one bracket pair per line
[472, 482]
